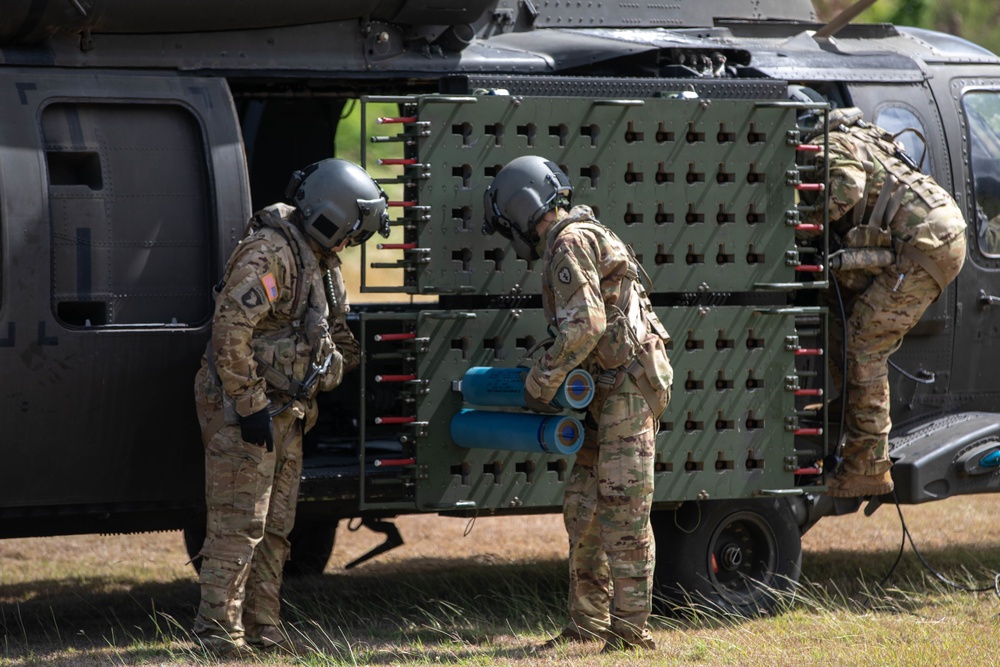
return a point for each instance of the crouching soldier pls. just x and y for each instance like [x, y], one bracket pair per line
[880, 206]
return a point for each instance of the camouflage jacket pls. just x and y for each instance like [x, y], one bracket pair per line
[584, 278]
[861, 156]
[267, 314]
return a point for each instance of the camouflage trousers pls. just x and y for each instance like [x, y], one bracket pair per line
[606, 510]
[878, 319]
[250, 496]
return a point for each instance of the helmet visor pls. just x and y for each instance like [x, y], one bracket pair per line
[372, 217]
[327, 228]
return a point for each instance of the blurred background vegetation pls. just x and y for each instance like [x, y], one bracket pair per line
[975, 20]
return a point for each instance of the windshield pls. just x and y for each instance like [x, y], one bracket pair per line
[982, 110]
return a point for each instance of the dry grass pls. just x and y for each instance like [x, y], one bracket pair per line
[488, 595]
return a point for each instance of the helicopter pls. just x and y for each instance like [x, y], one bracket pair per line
[136, 143]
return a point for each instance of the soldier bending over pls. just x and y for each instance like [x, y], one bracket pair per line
[605, 322]
[278, 337]
[880, 199]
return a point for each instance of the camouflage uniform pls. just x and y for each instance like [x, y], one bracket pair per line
[918, 219]
[605, 322]
[272, 320]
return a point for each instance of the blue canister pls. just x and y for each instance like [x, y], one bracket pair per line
[517, 432]
[504, 387]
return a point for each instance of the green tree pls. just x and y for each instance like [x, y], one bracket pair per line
[975, 20]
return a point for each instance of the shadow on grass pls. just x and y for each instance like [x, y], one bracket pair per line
[969, 565]
[448, 602]
[449, 609]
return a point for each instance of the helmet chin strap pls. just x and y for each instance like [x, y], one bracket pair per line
[527, 239]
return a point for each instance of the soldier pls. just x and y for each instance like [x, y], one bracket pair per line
[605, 323]
[278, 336]
[879, 199]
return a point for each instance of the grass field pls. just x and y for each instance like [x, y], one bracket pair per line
[490, 592]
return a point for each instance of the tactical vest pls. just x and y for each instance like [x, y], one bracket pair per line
[634, 339]
[902, 178]
[293, 359]
[903, 187]
[313, 351]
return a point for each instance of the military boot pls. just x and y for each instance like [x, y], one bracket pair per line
[573, 635]
[846, 484]
[224, 647]
[269, 638]
[629, 640]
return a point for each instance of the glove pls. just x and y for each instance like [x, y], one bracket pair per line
[255, 429]
[535, 404]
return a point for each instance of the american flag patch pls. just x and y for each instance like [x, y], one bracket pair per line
[270, 286]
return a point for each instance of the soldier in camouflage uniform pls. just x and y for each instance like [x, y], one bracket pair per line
[593, 297]
[879, 199]
[278, 336]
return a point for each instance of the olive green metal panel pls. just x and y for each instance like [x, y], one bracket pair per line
[731, 405]
[704, 190]
[700, 188]
[450, 477]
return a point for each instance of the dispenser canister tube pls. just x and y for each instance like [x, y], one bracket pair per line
[517, 432]
[504, 387]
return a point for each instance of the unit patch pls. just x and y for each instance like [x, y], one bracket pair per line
[251, 299]
[270, 286]
[567, 276]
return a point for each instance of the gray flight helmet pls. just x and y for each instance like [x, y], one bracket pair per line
[808, 118]
[338, 200]
[520, 195]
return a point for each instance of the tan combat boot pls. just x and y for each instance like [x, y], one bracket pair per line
[629, 641]
[269, 638]
[852, 485]
[573, 635]
[224, 647]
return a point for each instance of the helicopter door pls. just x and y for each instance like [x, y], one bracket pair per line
[980, 278]
[118, 195]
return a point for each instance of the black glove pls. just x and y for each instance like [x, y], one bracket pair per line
[538, 405]
[255, 429]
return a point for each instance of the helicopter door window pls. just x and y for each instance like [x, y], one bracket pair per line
[982, 112]
[129, 208]
[909, 133]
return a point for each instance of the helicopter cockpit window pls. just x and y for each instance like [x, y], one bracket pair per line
[130, 214]
[982, 112]
[909, 132]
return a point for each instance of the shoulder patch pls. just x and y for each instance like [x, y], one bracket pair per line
[250, 295]
[270, 286]
[567, 276]
[251, 298]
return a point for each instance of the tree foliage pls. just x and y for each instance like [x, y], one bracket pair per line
[975, 20]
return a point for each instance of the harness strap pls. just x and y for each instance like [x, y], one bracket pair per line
[925, 262]
[276, 378]
[862, 205]
[878, 219]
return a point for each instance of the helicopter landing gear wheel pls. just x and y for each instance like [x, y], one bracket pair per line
[734, 556]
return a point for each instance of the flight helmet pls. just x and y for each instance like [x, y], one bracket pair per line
[338, 200]
[809, 119]
[521, 194]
